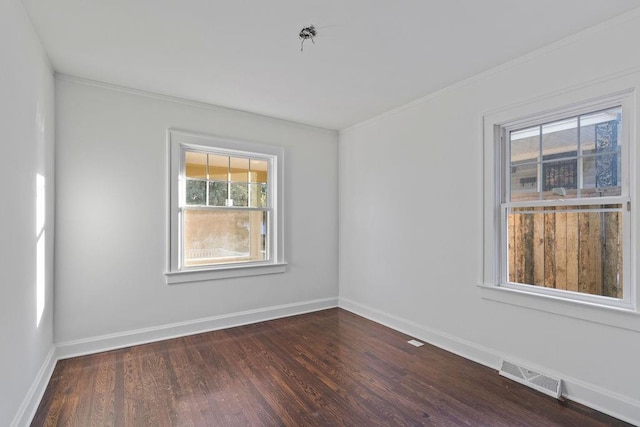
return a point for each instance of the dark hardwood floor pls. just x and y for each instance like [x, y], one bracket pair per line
[325, 368]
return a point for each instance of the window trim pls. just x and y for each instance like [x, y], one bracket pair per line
[620, 90]
[178, 140]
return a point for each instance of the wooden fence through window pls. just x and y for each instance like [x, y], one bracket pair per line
[574, 251]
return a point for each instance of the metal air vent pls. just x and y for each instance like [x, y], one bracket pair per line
[541, 382]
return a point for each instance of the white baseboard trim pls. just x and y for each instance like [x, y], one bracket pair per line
[31, 401]
[605, 401]
[108, 342]
[593, 396]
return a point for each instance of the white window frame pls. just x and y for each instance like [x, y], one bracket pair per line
[606, 93]
[180, 141]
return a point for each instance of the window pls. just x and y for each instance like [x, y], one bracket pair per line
[562, 201]
[225, 208]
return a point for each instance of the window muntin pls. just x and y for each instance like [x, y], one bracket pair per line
[564, 206]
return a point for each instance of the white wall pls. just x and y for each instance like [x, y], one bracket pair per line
[111, 201]
[26, 121]
[411, 225]
[410, 219]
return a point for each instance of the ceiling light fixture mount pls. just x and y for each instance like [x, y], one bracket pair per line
[307, 33]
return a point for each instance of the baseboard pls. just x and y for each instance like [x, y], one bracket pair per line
[98, 344]
[593, 396]
[605, 401]
[31, 401]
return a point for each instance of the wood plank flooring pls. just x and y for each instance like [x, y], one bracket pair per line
[325, 368]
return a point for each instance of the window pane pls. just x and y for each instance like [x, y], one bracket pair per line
[196, 192]
[195, 165]
[239, 169]
[560, 176]
[239, 195]
[575, 249]
[601, 176]
[560, 139]
[258, 195]
[223, 236]
[525, 145]
[524, 182]
[218, 167]
[599, 132]
[218, 193]
[258, 171]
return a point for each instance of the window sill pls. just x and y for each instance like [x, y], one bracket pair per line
[176, 277]
[612, 316]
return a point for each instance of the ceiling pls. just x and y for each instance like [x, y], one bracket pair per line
[369, 55]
